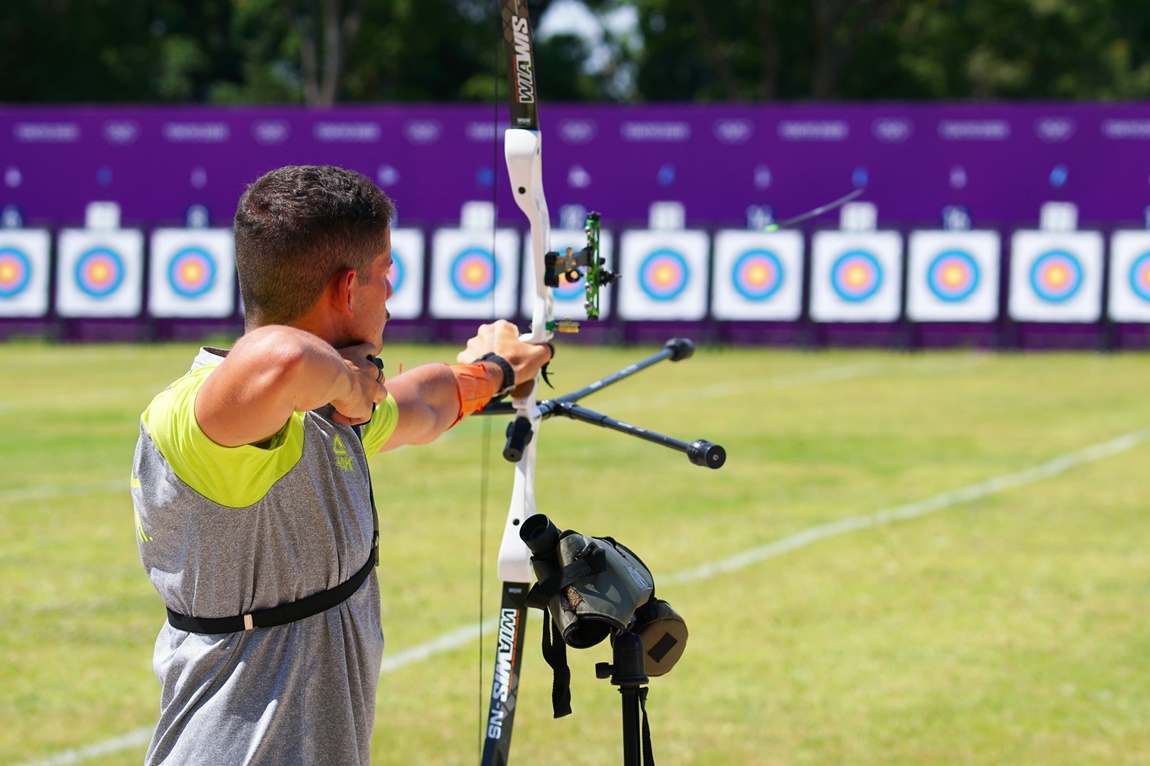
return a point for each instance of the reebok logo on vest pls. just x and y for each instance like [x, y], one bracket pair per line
[342, 458]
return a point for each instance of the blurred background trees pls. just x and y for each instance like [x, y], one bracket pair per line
[320, 52]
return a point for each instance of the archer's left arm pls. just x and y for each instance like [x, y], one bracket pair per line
[432, 398]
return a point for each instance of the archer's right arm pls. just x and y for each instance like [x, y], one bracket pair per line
[273, 372]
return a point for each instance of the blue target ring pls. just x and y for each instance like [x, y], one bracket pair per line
[1056, 276]
[15, 272]
[664, 275]
[1139, 276]
[856, 276]
[397, 272]
[474, 273]
[952, 276]
[192, 272]
[757, 275]
[99, 272]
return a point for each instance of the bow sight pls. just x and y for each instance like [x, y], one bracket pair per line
[568, 265]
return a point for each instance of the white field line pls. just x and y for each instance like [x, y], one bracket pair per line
[461, 637]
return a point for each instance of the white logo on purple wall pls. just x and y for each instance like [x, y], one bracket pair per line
[578, 131]
[121, 132]
[423, 132]
[733, 131]
[271, 132]
[892, 130]
[1054, 129]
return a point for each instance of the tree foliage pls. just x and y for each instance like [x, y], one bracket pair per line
[322, 52]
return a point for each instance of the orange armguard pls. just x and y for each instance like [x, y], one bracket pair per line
[477, 385]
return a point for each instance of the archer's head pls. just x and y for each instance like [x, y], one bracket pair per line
[299, 230]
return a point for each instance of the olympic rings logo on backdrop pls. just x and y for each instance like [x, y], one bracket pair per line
[952, 276]
[271, 132]
[578, 131]
[733, 131]
[15, 272]
[474, 273]
[423, 132]
[664, 275]
[757, 275]
[892, 130]
[192, 272]
[99, 272]
[856, 276]
[1139, 276]
[121, 132]
[1056, 276]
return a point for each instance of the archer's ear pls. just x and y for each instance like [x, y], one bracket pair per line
[340, 289]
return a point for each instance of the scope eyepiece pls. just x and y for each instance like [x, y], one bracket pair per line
[540, 535]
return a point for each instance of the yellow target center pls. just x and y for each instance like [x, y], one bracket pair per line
[1057, 276]
[758, 275]
[475, 273]
[8, 272]
[953, 275]
[193, 272]
[664, 275]
[100, 272]
[856, 276]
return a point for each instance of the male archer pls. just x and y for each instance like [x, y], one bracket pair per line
[255, 515]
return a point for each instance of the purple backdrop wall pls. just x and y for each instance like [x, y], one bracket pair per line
[999, 161]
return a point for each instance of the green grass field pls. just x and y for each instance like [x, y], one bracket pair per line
[849, 604]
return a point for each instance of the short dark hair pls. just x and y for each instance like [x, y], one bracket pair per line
[298, 226]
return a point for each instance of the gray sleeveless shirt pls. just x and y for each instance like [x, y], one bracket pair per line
[225, 531]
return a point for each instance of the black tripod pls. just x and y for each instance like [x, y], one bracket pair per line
[627, 672]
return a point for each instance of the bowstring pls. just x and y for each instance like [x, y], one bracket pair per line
[485, 447]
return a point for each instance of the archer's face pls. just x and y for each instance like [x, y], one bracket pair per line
[370, 306]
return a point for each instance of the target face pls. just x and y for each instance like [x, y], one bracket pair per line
[953, 276]
[192, 272]
[1056, 276]
[757, 275]
[99, 272]
[664, 275]
[15, 272]
[474, 273]
[856, 276]
[1139, 276]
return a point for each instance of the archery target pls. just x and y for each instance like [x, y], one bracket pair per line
[1130, 276]
[569, 297]
[192, 273]
[100, 273]
[856, 276]
[407, 273]
[953, 276]
[758, 276]
[1056, 276]
[664, 275]
[474, 273]
[470, 280]
[24, 272]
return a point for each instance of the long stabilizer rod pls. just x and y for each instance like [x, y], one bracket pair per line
[700, 452]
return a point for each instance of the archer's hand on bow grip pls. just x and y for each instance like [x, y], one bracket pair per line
[502, 338]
